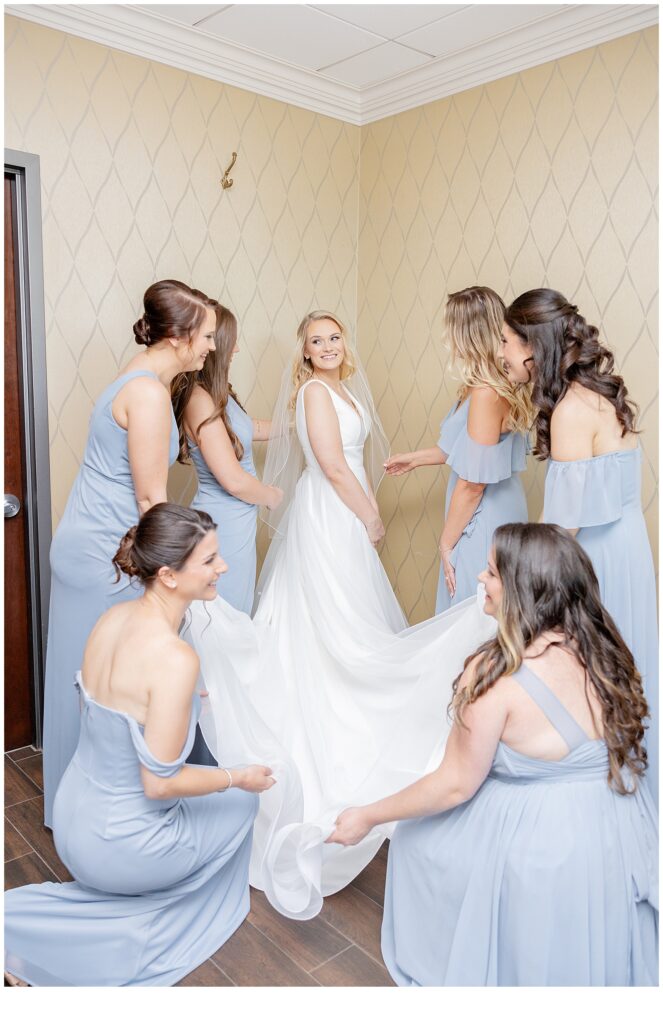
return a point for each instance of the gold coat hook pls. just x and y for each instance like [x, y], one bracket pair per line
[227, 182]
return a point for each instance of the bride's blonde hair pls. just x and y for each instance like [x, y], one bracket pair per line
[473, 325]
[302, 370]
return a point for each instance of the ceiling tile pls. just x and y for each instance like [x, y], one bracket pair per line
[187, 14]
[472, 24]
[291, 32]
[389, 20]
[378, 65]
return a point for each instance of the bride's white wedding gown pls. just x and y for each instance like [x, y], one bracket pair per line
[327, 684]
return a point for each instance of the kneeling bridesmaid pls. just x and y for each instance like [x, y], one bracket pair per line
[159, 849]
[530, 855]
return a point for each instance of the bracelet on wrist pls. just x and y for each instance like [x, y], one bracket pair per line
[230, 778]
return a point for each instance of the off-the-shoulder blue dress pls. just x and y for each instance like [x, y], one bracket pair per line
[546, 876]
[503, 500]
[160, 884]
[100, 509]
[601, 498]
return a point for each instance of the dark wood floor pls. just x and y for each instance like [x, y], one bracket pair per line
[340, 947]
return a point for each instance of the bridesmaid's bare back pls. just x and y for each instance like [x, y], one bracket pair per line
[586, 418]
[130, 651]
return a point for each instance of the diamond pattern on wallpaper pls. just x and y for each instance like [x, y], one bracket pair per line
[131, 157]
[543, 178]
[546, 177]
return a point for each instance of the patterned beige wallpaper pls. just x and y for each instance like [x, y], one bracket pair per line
[131, 156]
[546, 178]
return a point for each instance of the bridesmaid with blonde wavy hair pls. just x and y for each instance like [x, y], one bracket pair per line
[482, 439]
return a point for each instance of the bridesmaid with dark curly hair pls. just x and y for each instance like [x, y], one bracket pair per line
[586, 428]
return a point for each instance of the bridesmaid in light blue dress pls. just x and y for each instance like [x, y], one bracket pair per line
[586, 428]
[482, 439]
[218, 434]
[529, 857]
[236, 518]
[132, 441]
[159, 850]
[494, 467]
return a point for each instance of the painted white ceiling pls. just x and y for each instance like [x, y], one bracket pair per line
[359, 62]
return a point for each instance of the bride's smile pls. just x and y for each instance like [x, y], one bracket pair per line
[324, 346]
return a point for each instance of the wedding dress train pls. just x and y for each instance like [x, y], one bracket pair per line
[326, 684]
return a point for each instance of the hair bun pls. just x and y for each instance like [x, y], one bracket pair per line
[142, 332]
[123, 559]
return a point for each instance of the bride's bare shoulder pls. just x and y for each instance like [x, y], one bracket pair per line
[316, 396]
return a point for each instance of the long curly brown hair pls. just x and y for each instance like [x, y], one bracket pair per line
[549, 584]
[565, 350]
[214, 379]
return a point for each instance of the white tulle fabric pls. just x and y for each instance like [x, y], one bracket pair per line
[326, 684]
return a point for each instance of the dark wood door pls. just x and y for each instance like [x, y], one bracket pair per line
[19, 710]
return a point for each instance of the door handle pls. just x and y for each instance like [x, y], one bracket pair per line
[12, 506]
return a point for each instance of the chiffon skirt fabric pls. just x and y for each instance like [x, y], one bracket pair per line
[329, 687]
[100, 509]
[623, 563]
[236, 532]
[498, 466]
[545, 877]
[502, 502]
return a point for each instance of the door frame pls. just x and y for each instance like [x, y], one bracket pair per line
[31, 329]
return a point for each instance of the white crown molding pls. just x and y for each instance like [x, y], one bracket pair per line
[180, 46]
[121, 27]
[550, 38]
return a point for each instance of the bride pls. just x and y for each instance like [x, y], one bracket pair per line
[326, 683]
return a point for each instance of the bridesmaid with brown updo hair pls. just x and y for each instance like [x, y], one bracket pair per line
[132, 441]
[586, 429]
[159, 849]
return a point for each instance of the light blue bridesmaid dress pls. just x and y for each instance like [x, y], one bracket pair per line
[236, 519]
[503, 500]
[236, 530]
[601, 496]
[100, 509]
[545, 877]
[160, 884]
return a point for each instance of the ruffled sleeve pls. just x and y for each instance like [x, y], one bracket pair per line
[586, 492]
[487, 463]
[164, 769]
